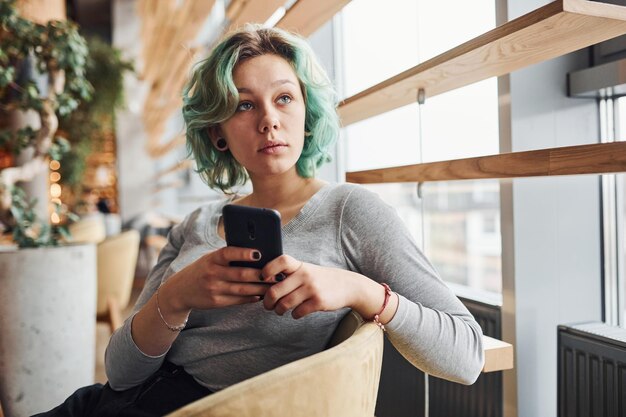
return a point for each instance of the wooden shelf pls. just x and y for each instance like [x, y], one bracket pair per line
[553, 30]
[498, 355]
[306, 16]
[600, 158]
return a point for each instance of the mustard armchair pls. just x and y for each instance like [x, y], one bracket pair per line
[117, 258]
[341, 381]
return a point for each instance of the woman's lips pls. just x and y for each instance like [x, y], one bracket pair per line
[273, 149]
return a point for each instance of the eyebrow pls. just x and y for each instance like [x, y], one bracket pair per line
[275, 83]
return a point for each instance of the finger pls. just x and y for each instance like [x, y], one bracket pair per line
[289, 301]
[304, 309]
[230, 300]
[242, 274]
[284, 263]
[233, 253]
[244, 290]
[277, 291]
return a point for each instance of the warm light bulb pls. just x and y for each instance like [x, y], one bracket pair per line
[55, 190]
[54, 217]
[55, 176]
[54, 165]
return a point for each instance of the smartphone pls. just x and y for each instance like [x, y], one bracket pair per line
[252, 227]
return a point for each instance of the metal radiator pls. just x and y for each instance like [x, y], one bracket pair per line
[484, 398]
[401, 392]
[591, 371]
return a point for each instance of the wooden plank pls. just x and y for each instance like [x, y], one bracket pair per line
[498, 355]
[306, 16]
[157, 150]
[599, 158]
[42, 11]
[252, 11]
[178, 166]
[553, 30]
[161, 31]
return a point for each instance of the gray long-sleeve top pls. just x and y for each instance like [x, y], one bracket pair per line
[343, 226]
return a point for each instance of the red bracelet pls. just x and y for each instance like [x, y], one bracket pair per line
[376, 318]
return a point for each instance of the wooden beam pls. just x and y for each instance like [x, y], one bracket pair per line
[306, 16]
[553, 30]
[600, 158]
[178, 166]
[498, 355]
[157, 150]
[251, 11]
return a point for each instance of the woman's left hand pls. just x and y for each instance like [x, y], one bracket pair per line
[308, 288]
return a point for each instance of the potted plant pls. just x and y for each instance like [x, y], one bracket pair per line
[47, 301]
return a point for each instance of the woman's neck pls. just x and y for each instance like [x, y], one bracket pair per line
[282, 192]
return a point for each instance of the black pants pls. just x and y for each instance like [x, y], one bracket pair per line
[167, 390]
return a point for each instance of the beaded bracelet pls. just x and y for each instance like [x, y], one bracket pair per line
[169, 326]
[376, 318]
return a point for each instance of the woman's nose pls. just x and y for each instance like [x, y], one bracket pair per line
[269, 121]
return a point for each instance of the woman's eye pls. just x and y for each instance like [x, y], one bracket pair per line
[284, 99]
[245, 106]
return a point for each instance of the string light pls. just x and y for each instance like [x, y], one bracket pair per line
[55, 191]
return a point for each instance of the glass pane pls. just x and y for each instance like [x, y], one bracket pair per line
[390, 139]
[474, 132]
[462, 233]
[379, 41]
[457, 225]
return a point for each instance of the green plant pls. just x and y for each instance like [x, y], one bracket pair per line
[31, 232]
[86, 127]
[57, 53]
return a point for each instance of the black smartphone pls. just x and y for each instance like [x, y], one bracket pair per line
[252, 227]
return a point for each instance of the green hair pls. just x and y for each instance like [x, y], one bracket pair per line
[210, 98]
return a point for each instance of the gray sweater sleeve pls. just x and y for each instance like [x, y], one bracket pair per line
[125, 364]
[432, 329]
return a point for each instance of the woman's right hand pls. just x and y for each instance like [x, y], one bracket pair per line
[207, 283]
[210, 282]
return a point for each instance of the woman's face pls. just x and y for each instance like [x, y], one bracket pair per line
[266, 133]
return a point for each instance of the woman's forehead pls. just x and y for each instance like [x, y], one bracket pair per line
[266, 70]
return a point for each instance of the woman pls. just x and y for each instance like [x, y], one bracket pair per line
[261, 108]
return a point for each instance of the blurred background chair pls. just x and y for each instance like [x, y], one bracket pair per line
[341, 381]
[90, 229]
[117, 258]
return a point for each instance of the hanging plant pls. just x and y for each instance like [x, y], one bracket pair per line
[58, 53]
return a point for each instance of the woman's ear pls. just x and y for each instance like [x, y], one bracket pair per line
[217, 139]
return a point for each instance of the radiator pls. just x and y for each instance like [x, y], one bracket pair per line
[401, 390]
[591, 371]
[484, 398]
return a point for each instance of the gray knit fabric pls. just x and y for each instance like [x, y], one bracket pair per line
[342, 226]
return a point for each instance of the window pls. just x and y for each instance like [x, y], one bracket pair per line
[456, 224]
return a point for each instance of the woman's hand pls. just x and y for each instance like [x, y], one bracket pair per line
[308, 288]
[210, 282]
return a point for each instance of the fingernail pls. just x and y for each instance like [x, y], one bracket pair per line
[261, 277]
[280, 276]
[256, 255]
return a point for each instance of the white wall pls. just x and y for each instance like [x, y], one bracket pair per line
[555, 224]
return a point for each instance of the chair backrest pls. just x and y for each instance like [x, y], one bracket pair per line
[341, 381]
[117, 258]
[88, 230]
